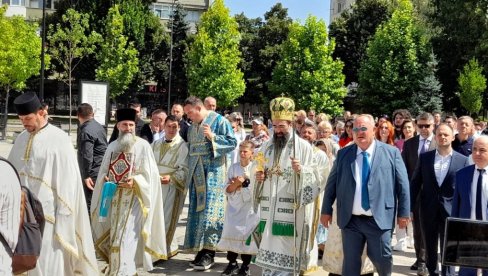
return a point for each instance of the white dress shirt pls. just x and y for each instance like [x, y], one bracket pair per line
[424, 142]
[484, 192]
[357, 209]
[441, 166]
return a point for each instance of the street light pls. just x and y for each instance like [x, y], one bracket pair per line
[43, 39]
[171, 55]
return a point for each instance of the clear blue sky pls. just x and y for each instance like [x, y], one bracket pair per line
[297, 9]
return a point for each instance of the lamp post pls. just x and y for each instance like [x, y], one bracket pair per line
[171, 55]
[43, 41]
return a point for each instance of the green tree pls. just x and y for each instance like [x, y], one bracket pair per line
[117, 57]
[395, 63]
[461, 33]
[428, 97]
[179, 78]
[249, 30]
[19, 57]
[269, 43]
[352, 31]
[69, 44]
[472, 85]
[215, 56]
[141, 27]
[307, 72]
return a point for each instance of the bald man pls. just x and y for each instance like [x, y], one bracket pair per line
[210, 103]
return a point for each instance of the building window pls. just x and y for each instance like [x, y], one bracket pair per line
[16, 2]
[340, 7]
[162, 11]
[192, 16]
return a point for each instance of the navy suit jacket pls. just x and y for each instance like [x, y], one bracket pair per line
[388, 186]
[410, 153]
[432, 196]
[461, 203]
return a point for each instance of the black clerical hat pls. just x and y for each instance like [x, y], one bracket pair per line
[27, 103]
[126, 114]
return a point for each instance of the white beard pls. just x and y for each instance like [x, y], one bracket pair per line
[125, 141]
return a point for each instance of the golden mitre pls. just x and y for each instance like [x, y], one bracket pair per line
[282, 109]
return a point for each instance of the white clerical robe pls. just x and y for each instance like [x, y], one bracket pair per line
[240, 218]
[322, 170]
[172, 159]
[47, 164]
[133, 231]
[280, 190]
[9, 215]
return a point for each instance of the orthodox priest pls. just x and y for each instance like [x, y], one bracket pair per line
[287, 184]
[135, 220]
[210, 140]
[46, 161]
[171, 155]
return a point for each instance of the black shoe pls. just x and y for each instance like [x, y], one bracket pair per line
[422, 270]
[231, 269]
[206, 262]
[415, 266]
[158, 263]
[244, 271]
[198, 256]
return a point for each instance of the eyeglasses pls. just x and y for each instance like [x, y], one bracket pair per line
[424, 126]
[357, 129]
[384, 127]
[348, 126]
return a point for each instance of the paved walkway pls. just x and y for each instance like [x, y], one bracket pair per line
[178, 265]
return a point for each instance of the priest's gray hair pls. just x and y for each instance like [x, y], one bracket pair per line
[126, 141]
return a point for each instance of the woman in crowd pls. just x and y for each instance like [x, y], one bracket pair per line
[346, 137]
[338, 130]
[259, 133]
[385, 133]
[404, 236]
[408, 131]
[321, 117]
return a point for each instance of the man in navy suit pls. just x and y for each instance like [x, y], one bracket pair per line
[411, 150]
[370, 182]
[470, 200]
[433, 182]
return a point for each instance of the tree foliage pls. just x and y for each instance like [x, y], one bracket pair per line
[395, 64]
[269, 45]
[472, 85]
[181, 41]
[352, 31]
[117, 56]
[69, 44]
[462, 33]
[306, 70]
[141, 27]
[214, 57]
[20, 50]
[19, 55]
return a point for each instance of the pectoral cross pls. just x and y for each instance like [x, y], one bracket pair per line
[260, 161]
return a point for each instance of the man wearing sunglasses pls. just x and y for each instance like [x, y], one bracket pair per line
[370, 183]
[411, 150]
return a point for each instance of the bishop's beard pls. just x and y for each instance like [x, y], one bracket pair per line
[280, 141]
[126, 141]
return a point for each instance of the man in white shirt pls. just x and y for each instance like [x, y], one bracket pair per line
[434, 178]
[471, 192]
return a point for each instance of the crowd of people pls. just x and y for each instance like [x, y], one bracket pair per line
[305, 191]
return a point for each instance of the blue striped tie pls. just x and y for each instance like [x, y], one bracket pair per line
[364, 180]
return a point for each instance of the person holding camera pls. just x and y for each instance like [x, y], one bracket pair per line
[240, 219]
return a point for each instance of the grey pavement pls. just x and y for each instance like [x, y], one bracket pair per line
[179, 264]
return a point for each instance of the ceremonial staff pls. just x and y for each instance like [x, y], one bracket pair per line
[295, 208]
